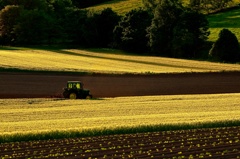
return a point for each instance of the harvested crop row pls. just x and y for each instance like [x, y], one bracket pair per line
[217, 143]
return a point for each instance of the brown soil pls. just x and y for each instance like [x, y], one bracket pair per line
[40, 85]
[199, 143]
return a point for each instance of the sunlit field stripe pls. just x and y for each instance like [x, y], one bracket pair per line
[43, 115]
[103, 62]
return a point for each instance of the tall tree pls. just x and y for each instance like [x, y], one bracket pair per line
[130, 33]
[190, 34]
[72, 24]
[160, 33]
[34, 27]
[226, 48]
[9, 18]
[98, 28]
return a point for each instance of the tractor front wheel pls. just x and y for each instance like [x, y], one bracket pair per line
[88, 97]
[73, 96]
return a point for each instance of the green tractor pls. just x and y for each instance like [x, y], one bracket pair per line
[74, 90]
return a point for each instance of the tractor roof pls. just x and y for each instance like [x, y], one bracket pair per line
[74, 81]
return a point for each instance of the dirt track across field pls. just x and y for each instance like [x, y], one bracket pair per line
[40, 85]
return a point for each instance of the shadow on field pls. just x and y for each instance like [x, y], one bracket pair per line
[123, 60]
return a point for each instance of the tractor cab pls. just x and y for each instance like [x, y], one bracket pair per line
[74, 85]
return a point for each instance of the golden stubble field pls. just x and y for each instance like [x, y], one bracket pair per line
[103, 61]
[41, 115]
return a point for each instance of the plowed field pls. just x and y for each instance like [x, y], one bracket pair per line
[199, 143]
[29, 85]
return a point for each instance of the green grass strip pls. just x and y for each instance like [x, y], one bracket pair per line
[114, 131]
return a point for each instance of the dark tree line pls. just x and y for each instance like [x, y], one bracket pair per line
[162, 27]
[25, 22]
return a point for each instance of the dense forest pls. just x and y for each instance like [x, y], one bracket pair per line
[162, 27]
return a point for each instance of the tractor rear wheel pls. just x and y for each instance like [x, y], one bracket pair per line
[73, 96]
